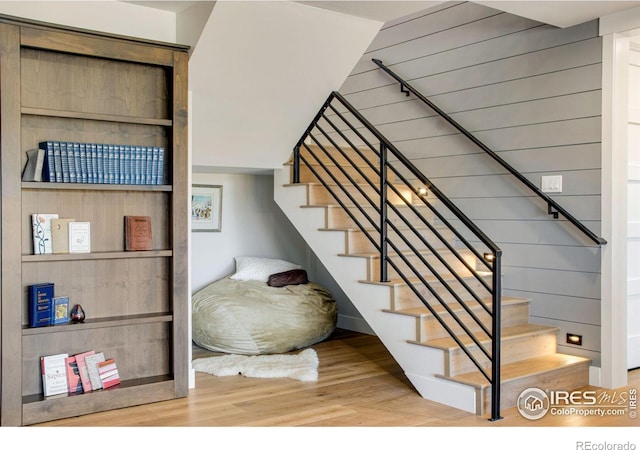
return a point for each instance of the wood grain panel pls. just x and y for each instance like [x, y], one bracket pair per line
[60, 81]
[105, 210]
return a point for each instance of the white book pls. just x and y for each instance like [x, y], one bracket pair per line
[91, 361]
[41, 225]
[54, 374]
[79, 237]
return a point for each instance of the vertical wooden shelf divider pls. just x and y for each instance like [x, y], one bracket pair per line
[64, 84]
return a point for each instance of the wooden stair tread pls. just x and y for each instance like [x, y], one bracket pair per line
[422, 311]
[507, 333]
[520, 369]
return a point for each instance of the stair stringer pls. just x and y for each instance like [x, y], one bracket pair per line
[421, 365]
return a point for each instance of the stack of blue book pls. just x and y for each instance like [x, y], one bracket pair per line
[77, 162]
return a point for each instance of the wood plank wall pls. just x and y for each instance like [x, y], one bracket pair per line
[532, 93]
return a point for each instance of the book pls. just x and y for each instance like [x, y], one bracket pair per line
[64, 162]
[60, 315]
[49, 166]
[83, 175]
[34, 166]
[91, 362]
[81, 360]
[162, 176]
[41, 304]
[137, 233]
[41, 226]
[79, 237]
[54, 374]
[71, 158]
[60, 235]
[74, 383]
[100, 164]
[108, 372]
[93, 164]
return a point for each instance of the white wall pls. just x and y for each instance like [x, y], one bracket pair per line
[633, 212]
[260, 73]
[253, 225]
[108, 17]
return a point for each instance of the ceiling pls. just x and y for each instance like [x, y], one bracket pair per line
[562, 13]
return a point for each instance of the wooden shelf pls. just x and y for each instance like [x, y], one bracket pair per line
[95, 116]
[37, 408]
[97, 187]
[96, 256]
[105, 322]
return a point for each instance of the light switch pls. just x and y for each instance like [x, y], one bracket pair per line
[551, 183]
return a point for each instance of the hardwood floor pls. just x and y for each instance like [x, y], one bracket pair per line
[359, 385]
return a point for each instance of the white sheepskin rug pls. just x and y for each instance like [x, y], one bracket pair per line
[303, 366]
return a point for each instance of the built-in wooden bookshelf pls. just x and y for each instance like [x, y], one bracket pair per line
[62, 84]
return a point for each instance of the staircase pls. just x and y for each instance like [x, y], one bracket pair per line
[412, 330]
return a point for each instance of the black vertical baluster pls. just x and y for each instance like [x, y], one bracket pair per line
[383, 214]
[495, 343]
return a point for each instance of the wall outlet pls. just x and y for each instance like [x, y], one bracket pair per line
[551, 183]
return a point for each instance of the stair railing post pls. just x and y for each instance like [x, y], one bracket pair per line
[296, 164]
[383, 214]
[495, 331]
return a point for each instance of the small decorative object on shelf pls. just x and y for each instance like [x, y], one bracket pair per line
[77, 314]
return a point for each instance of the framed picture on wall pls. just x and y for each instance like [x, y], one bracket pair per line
[206, 207]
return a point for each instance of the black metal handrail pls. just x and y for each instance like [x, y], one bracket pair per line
[346, 179]
[553, 208]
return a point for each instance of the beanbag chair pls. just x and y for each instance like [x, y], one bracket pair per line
[250, 317]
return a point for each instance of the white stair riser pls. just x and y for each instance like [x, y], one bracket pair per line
[357, 241]
[403, 296]
[320, 195]
[339, 218]
[373, 265]
[511, 350]
[430, 328]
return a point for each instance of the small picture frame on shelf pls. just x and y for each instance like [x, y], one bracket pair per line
[206, 207]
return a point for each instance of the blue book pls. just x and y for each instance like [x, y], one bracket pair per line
[40, 304]
[71, 157]
[154, 165]
[111, 164]
[161, 171]
[60, 314]
[83, 176]
[138, 167]
[49, 169]
[76, 161]
[100, 164]
[64, 158]
[92, 152]
[148, 165]
[127, 164]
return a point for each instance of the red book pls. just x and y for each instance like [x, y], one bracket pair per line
[108, 373]
[74, 383]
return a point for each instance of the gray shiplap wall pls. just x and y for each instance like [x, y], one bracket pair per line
[532, 93]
